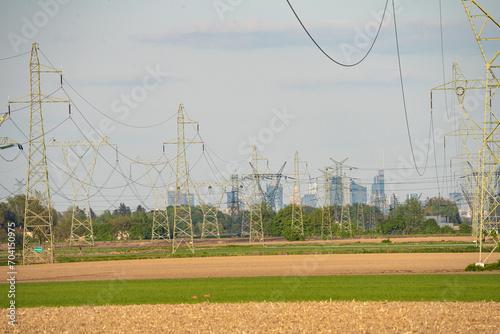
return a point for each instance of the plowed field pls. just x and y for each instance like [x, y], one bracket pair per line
[252, 266]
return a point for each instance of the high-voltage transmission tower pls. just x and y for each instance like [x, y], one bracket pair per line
[268, 194]
[234, 201]
[345, 215]
[183, 224]
[339, 188]
[360, 219]
[326, 210]
[160, 229]
[257, 198]
[481, 138]
[38, 240]
[210, 226]
[297, 224]
[470, 134]
[81, 219]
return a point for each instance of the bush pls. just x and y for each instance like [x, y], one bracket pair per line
[487, 267]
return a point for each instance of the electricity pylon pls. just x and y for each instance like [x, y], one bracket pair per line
[297, 224]
[210, 226]
[81, 224]
[326, 210]
[38, 211]
[160, 229]
[483, 24]
[373, 218]
[360, 223]
[245, 216]
[6, 142]
[183, 224]
[339, 189]
[234, 204]
[256, 228]
[471, 137]
[480, 138]
[345, 215]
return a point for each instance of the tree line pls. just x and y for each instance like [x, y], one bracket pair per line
[124, 223]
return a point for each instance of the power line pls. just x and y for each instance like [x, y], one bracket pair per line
[403, 92]
[15, 56]
[99, 111]
[326, 54]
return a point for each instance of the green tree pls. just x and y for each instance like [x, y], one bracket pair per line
[447, 208]
[412, 214]
[122, 210]
[430, 226]
[103, 232]
[465, 229]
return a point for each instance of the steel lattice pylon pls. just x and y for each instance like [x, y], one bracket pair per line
[470, 134]
[297, 224]
[489, 153]
[38, 211]
[183, 224]
[81, 224]
[345, 215]
[210, 226]
[480, 137]
[360, 220]
[326, 210]
[160, 229]
[256, 229]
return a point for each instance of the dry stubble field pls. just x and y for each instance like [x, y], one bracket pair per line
[311, 317]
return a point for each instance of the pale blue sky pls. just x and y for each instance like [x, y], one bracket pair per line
[234, 70]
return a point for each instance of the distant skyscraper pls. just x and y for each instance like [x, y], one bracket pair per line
[378, 190]
[336, 191]
[309, 200]
[409, 196]
[182, 201]
[278, 196]
[358, 193]
[171, 196]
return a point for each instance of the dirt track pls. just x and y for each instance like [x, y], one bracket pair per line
[251, 266]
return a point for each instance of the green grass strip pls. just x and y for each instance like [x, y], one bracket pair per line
[445, 287]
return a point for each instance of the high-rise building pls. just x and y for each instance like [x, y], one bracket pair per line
[336, 194]
[278, 196]
[410, 196]
[359, 193]
[182, 201]
[309, 200]
[378, 190]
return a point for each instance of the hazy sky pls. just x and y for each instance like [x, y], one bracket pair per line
[248, 73]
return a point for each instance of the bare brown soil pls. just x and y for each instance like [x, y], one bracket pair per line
[252, 266]
[305, 317]
[272, 241]
[282, 241]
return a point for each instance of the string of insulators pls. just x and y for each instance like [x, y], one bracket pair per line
[9, 109]
[61, 80]
[197, 127]
[69, 109]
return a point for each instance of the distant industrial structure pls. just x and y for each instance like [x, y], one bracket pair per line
[379, 198]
